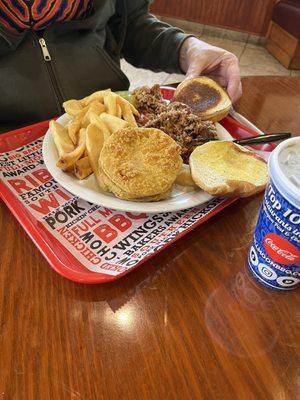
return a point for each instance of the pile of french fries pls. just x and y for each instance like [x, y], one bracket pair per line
[94, 119]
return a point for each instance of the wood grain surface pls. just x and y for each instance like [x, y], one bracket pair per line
[251, 16]
[189, 324]
[283, 46]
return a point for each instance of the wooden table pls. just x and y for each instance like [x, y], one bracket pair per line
[190, 324]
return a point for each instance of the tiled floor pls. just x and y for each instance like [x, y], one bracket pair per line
[254, 58]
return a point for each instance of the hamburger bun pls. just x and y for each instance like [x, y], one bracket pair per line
[205, 97]
[228, 169]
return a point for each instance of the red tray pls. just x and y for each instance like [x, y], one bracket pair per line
[60, 258]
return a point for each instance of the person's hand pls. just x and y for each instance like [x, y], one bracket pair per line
[199, 58]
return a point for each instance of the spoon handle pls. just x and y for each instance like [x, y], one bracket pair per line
[273, 137]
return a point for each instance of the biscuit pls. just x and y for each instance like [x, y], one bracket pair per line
[141, 162]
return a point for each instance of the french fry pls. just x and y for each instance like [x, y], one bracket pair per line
[68, 159]
[121, 100]
[82, 168]
[128, 116]
[95, 139]
[73, 129]
[126, 112]
[110, 102]
[82, 120]
[119, 111]
[113, 123]
[99, 96]
[94, 108]
[72, 107]
[61, 138]
[75, 125]
[97, 121]
[95, 118]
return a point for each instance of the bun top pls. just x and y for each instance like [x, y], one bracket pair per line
[198, 95]
[205, 97]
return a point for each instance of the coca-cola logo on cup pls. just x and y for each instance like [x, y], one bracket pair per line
[280, 250]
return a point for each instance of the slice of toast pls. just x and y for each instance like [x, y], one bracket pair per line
[227, 169]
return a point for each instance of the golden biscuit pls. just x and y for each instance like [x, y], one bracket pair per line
[141, 162]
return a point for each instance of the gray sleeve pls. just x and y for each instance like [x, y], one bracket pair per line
[150, 43]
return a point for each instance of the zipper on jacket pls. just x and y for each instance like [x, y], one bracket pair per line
[45, 50]
[48, 63]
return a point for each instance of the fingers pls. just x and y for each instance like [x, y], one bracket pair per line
[205, 61]
[222, 81]
[239, 93]
[201, 61]
[215, 61]
[192, 74]
[194, 70]
[234, 86]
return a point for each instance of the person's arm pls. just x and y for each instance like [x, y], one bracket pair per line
[150, 43]
[155, 45]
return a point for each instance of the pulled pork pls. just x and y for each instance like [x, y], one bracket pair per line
[187, 129]
[149, 100]
[176, 119]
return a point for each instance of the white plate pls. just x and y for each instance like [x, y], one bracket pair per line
[88, 189]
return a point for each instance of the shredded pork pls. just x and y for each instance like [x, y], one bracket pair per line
[149, 100]
[176, 119]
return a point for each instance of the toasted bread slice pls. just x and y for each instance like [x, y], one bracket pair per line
[227, 169]
[205, 97]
